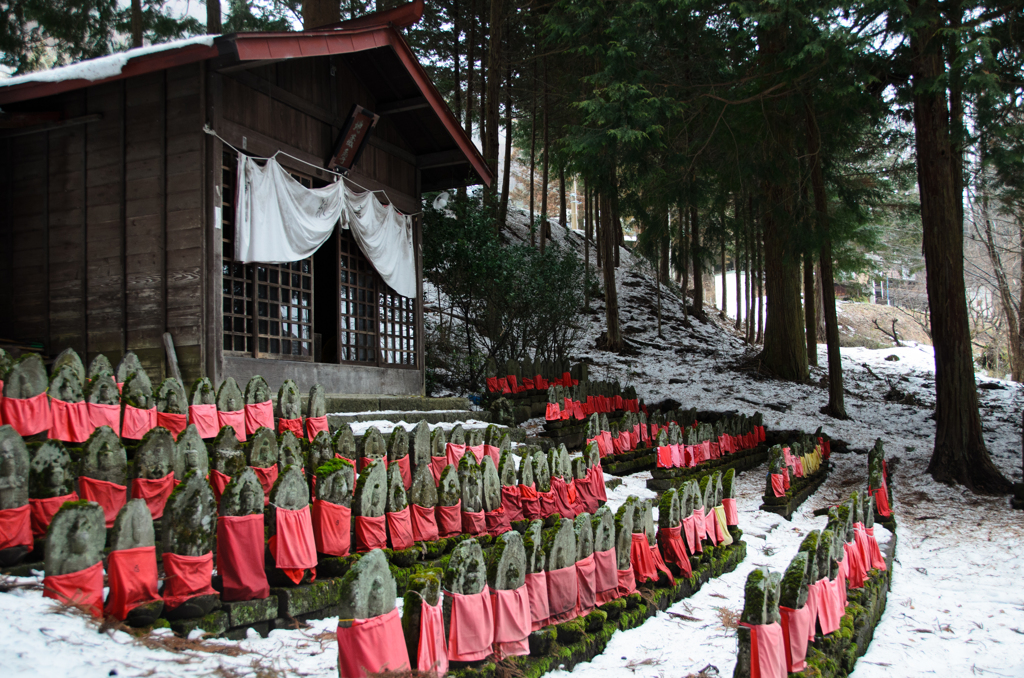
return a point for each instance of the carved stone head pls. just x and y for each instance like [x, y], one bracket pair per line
[66, 386]
[257, 391]
[26, 378]
[229, 396]
[262, 448]
[290, 490]
[506, 569]
[133, 527]
[100, 364]
[335, 482]
[155, 454]
[50, 470]
[396, 500]
[202, 393]
[104, 457]
[243, 496]
[228, 456]
[102, 390]
[289, 402]
[316, 405]
[138, 391]
[368, 589]
[423, 491]
[371, 490]
[449, 493]
[170, 397]
[345, 442]
[471, 484]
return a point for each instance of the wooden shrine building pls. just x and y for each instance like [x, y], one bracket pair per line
[117, 177]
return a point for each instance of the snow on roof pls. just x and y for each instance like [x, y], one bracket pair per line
[105, 67]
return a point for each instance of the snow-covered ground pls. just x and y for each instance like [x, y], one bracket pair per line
[956, 605]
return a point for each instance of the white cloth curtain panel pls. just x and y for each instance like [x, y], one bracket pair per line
[278, 220]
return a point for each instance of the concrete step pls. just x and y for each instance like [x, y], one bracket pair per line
[411, 417]
[345, 403]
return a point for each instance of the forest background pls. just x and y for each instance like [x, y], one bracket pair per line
[803, 142]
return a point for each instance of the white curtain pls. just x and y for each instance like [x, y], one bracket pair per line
[278, 220]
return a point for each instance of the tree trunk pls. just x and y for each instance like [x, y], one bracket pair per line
[586, 245]
[496, 24]
[561, 197]
[960, 455]
[596, 220]
[759, 277]
[611, 298]
[503, 206]
[663, 273]
[684, 254]
[470, 67]
[810, 321]
[748, 288]
[738, 263]
[544, 174]
[698, 273]
[819, 299]
[456, 59]
[783, 353]
[616, 226]
[137, 23]
[725, 283]
[533, 155]
[213, 21]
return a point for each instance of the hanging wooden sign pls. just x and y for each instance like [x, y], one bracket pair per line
[352, 140]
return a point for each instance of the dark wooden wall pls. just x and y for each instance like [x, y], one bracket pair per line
[104, 247]
[109, 237]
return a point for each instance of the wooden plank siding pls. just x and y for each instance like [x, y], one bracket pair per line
[104, 226]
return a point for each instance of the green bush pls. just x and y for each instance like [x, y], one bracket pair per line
[499, 301]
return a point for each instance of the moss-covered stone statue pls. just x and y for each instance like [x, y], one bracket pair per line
[190, 530]
[398, 444]
[75, 539]
[449, 492]
[603, 525]
[316, 404]
[14, 484]
[457, 436]
[419, 446]
[371, 491]
[368, 589]
[466, 574]
[625, 519]
[133, 529]
[471, 484]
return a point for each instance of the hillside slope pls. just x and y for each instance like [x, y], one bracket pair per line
[956, 605]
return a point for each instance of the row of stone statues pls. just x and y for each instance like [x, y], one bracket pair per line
[783, 613]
